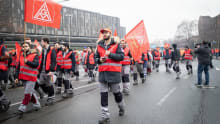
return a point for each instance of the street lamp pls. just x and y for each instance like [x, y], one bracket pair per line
[63, 1]
[70, 16]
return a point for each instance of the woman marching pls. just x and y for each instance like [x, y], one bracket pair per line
[27, 72]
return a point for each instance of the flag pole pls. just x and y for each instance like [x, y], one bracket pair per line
[25, 28]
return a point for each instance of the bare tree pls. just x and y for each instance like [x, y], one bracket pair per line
[185, 31]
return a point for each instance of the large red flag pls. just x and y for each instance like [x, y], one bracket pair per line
[43, 12]
[137, 40]
[115, 33]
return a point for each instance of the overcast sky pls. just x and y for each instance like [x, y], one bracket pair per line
[161, 17]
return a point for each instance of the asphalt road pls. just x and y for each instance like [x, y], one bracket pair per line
[161, 100]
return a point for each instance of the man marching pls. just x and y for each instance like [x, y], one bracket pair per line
[188, 57]
[126, 68]
[27, 72]
[108, 55]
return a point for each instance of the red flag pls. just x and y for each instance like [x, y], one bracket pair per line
[115, 33]
[137, 40]
[38, 46]
[18, 51]
[43, 12]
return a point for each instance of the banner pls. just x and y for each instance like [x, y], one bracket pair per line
[43, 12]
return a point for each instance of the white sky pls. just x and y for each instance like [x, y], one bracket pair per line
[161, 17]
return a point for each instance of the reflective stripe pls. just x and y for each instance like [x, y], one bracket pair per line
[111, 64]
[67, 64]
[28, 68]
[126, 60]
[67, 60]
[29, 74]
[4, 64]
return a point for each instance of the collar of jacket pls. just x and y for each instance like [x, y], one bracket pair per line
[48, 49]
[28, 53]
[102, 43]
[205, 46]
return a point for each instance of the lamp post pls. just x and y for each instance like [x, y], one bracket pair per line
[63, 1]
[70, 16]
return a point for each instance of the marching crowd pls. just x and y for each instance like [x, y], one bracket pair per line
[46, 70]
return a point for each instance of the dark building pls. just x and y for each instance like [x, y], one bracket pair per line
[209, 29]
[83, 26]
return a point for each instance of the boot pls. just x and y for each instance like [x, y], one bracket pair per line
[105, 116]
[77, 78]
[121, 108]
[70, 92]
[5, 103]
[65, 95]
[143, 80]
[135, 82]
[93, 78]
[178, 75]
[4, 86]
[58, 90]
[104, 121]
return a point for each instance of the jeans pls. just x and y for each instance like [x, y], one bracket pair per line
[202, 68]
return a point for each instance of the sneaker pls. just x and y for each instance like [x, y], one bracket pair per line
[205, 86]
[90, 80]
[198, 85]
[50, 101]
[65, 95]
[36, 107]
[104, 121]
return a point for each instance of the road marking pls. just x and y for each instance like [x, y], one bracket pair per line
[86, 86]
[89, 85]
[166, 96]
[217, 69]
